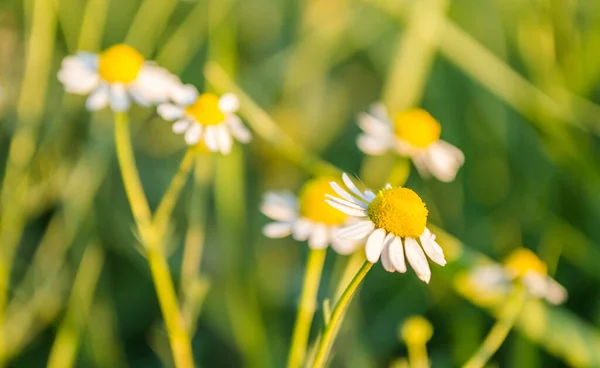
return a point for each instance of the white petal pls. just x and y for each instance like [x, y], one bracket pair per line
[489, 276]
[432, 248]
[345, 209]
[229, 103]
[184, 94]
[373, 126]
[302, 229]
[386, 261]
[119, 101]
[352, 187]
[340, 245]
[417, 260]
[153, 85]
[193, 134]
[223, 139]
[444, 160]
[347, 196]
[379, 111]
[556, 293]
[238, 129]
[98, 99]
[210, 138]
[319, 237]
[356, 231]
[397, 255]
[369, 195]
[79, 73]
[180, 126]
[281, 198]
[279, 210]
[168, 111]
[374, 245]
[361, 207]
[277, 229]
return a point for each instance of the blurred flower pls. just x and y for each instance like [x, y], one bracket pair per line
[394, 216]
[307, 217]
[416, 330]
[117, 76]
[525, 267]
[209, 119]
[413, 133]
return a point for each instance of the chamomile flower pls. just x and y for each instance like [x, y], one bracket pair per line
[209, 119]
[413, 133]
[522, 266]
[117, 76]
[307, 217]
[394, 222]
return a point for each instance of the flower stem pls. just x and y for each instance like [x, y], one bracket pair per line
[337, 316]
[308, 303]
[500, 330]
[169, 199]
[417, 355]
[178, 337]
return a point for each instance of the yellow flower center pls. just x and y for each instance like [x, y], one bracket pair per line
[522, 261]
[399, 211]
[416, 330]
[417, 127]
[120, 64]
[206, 110]
[313, 205]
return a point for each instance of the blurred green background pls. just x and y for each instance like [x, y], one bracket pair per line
[514, 84]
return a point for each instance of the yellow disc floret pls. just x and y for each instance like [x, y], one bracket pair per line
[522, 261]
[313, 205]
[417, 127]
[416, 330]
[399, 211]
[206, 110]
[120, 64]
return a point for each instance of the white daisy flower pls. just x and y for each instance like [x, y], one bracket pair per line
[413, 133]
[307, 217]
[394, 222]
[207, 119]
[525, 267]
[117, 76]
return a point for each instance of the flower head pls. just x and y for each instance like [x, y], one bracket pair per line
[524, 267]
[207, 119]
[307, 217]
[394, 222]
[413, 133]
[116, 76]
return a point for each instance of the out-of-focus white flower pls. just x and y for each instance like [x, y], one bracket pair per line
[525, 267]
[307, 217]
[207, 119]
[413, 133]
[394, 222]
[117, 76]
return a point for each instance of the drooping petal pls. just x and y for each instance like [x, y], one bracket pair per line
[98, 99]
[119, 101]
[193, 134]
[223, 139]
[432, 248]
[397, 255]
[277, 229]
[417, 260]
[374, 245]
[210, 138]
[302, 229]
[386, 261]
[319, 237]
[238, 129]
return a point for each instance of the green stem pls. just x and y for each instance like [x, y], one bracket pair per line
[308, 304]
[159, 269]
[337, 316]
[169, 199]
[499, 332]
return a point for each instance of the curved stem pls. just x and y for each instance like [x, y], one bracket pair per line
[500, 330]
[159, 269]
[306, 311]
[337, 316]
[169, 199]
